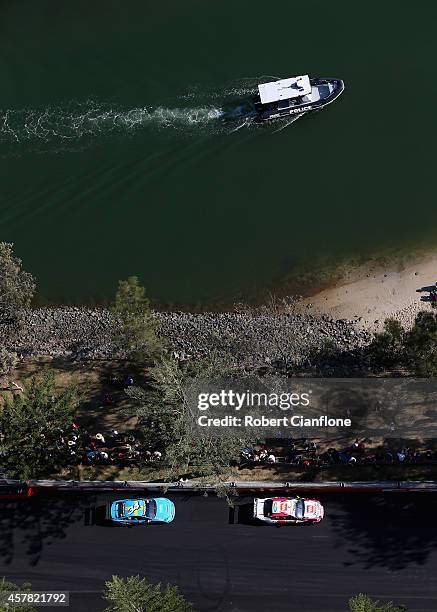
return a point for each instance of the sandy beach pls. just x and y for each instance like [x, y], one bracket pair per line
[378, 294]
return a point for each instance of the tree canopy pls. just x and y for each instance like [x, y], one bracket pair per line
[7, 587]
[165, 416]
[421, 345]
[363, 603]
[135, 594]
[31, 424]
[415, 349]
[16, 286]
[137, 332]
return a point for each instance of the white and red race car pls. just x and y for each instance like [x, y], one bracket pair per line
[287, 510]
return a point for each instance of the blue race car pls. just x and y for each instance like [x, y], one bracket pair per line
[141, 511]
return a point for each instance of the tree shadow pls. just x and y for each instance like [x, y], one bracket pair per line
[329, 361]
[398, 529]
[37, 522]
[103, 404]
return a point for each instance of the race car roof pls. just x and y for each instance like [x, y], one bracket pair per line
[134, 507]
[282, 507]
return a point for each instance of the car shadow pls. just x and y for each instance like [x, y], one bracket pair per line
[242, 514]
[97, 516]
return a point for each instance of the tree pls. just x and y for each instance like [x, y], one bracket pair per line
[387, 348]
[7, 587]
[421, 345]
[16, 286]
[32, 424]
[135, 594]
[165, 415]
[159, 407]
[363, 603]
[137, 333]
[415, 349]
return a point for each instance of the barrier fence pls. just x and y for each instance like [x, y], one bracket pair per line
[35, 486]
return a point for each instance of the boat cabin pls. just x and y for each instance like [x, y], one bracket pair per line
[284, 89]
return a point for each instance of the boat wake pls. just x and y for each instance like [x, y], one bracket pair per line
[77, 122]
[77, 125]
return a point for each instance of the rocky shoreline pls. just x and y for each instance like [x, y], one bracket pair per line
[249, 337]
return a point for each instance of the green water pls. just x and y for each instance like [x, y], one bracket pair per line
[114, 158]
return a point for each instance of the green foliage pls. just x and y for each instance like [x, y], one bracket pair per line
[164, 413]
[415, 350]
[135, 594]
[16, 286]
[137, 334]
[5, 587]
[386, 350]
[227, 492]
[363, 603]
[159, 407]
[31, 424]
[421, 345]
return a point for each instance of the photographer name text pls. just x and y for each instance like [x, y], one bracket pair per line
[264, 421]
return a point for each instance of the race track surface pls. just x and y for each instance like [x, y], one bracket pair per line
[383, 545]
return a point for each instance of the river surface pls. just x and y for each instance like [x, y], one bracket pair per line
[122, 150]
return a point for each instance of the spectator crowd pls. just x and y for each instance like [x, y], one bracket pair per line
[308, 453]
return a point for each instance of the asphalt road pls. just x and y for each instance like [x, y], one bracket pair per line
[383, 545]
